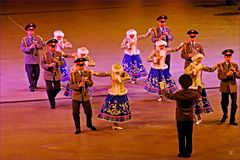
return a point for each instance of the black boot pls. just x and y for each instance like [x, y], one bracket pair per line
[77, 124]
[224, 118]
[232, 116]
[89, 123]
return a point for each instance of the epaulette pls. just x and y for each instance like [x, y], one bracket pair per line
[24, 40]
[37, 36]
[87, 70]
[73, 69]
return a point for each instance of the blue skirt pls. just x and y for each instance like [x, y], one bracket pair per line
[202, 105]
[133, 65]
[115, 109]
[65, 74]
[158, 75]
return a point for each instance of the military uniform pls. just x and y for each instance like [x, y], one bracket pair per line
[191, 48]
[31, 56]
[228, 86]
[52, 73]
[80, 95]
[161, 31]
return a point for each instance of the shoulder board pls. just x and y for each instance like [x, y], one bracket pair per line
[87, 70]
[38, 36]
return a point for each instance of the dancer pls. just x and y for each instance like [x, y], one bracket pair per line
[63, 43]
[228, 72]
[159, 70]
[202, 105]
[83, 52]
[30, 46]
[185, 99]
[132, 62]
[81, 79]
[51, 61]
[116, 108]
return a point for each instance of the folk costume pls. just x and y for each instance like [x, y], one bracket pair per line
[116, 108]
[132, 62]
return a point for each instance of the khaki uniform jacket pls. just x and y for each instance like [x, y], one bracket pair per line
[31, 55]
[80, 93]
[51, 73]
[228, 84]
[187, 49]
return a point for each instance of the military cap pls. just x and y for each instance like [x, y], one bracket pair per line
[185, 80]
[30, 26]
[227, 52]
[162, 17]
[192, 32]
[51, 42]
[80, 60]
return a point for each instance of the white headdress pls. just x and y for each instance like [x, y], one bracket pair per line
[197, 56]
[58, 33]
[160, 43]
[80, 51]
[83, 50]
[131, 32]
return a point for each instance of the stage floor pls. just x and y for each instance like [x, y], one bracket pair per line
[30, 130]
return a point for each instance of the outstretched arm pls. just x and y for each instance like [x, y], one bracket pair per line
[101, 74]
[149, 32]
[175, 49]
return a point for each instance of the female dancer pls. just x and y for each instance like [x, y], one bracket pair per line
[116, 108]
[132, 62]
[159, 70]
[195, 69]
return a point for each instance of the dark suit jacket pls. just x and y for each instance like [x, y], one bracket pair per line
[185, 100]
[228, 84]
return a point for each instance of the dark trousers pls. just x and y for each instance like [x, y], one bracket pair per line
[185, 130]
[167, 61]
[52, 88]
[33, 72]
[76, 112]
[225, 102]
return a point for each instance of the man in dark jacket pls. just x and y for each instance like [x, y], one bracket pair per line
[184, 112]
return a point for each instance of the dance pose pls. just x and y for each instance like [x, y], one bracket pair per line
[63, 43]
[159, 70]
[202, 105]
[132, 62]
[116, 108]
